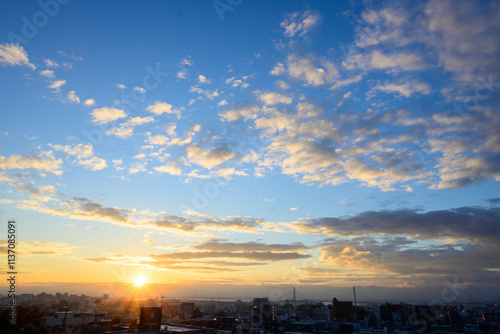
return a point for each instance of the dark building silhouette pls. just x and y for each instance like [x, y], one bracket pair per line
[263, 312]
[150, 318]
[342, 310]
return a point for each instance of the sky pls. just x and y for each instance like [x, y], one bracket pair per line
[239, 148]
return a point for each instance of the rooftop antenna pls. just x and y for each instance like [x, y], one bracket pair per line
[354, 292]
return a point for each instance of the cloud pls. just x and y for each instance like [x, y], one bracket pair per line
[159, 108]
[50, 63]
[465, 36]
[460, 224]
[228, 173]
[14, 55]
[245, 110]
[33, 248]
[171, 167]
[137, 167]
[346, 82]
[45, 162]
[56, 85]
[255, 256]
[72, 97]
[117, 164]
[187, 61]
[105, 115]
[47, 74]
[89, 102]
[271, 98]
[209, 158]
[208, 93]
[404, 88]
[203, 79]
[377, 60]
[140, 90]
[299, 24]
[84, 155]
[237, 82]
[402, 259]
[313, 70]
[34, 190]
[126, 129]
[293, 209]
[120, 86]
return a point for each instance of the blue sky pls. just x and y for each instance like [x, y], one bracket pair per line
[346, 142]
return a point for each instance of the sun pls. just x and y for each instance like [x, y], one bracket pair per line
[139, 281]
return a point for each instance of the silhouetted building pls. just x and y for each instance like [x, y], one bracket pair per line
[150, 318]
[342, 310]
[263, 312]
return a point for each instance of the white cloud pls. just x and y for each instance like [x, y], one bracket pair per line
[159, 108]
[208, 93]
[89, 102]
[237, 82]
[84, 155]
[402, 61]
[208, 158]
[222, 103]
[45, 161]
[72, 97]
[120, 86]
[121, 132]
[314, 70]
[47, 74]
[341, 83]
[182, 74]
[243, 109]
[51, 63]
[56, 85]
[14, 55]
[172, 167]
[137, 167]
[293, 209]
[126, 129]
[105, 115]
[117, 164]
[299, 24]
[404, 88]
[203, 79]
[140, 90]
[187, 61]
[271, 98]
[278, 69]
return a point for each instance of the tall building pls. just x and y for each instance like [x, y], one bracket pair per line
[150, 318]
[262, 312]
[342, 310]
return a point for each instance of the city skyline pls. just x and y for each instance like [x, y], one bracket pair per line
[242, 148]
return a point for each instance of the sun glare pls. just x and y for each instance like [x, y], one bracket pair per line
[139, 281]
